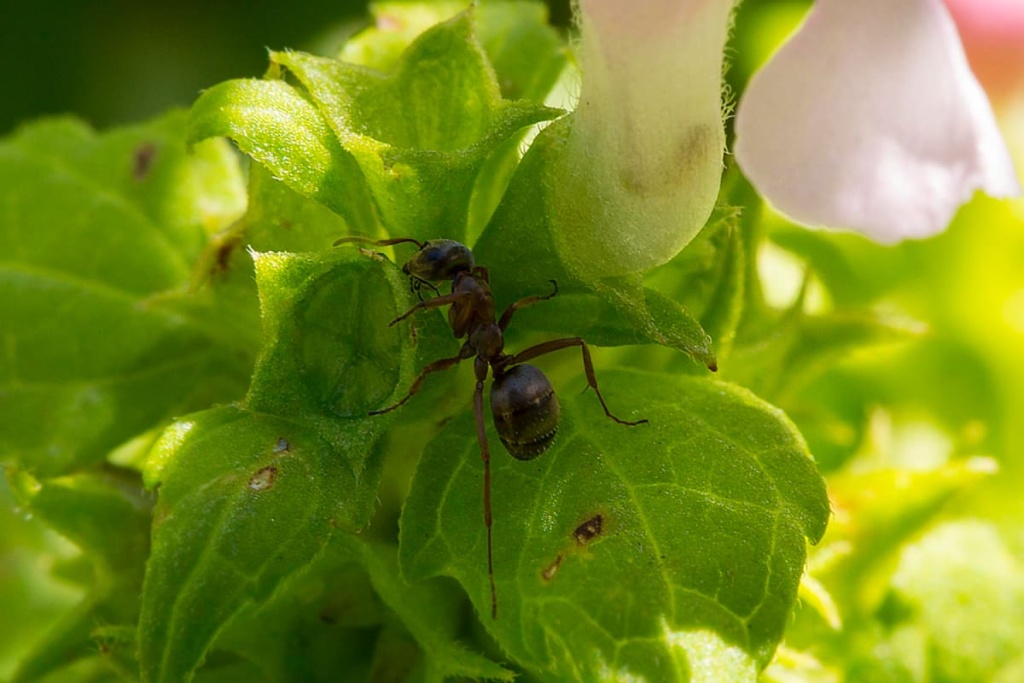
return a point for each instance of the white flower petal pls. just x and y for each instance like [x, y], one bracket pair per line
[870, 119]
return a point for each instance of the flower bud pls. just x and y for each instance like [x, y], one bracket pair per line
[639, 171]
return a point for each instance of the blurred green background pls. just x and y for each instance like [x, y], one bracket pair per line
[117, 61]
[953, 392]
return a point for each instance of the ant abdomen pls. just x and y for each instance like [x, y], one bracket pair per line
[525, 411]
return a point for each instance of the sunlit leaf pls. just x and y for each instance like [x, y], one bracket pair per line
[618, 538]
[421, 134]
[280, 128]
[525, 51]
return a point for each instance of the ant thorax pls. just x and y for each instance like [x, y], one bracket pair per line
[472, 305]
[487, 341]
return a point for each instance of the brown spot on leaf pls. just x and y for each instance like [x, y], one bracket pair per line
[142, 160]
[589, 530]
[549, 571]
[263, 479]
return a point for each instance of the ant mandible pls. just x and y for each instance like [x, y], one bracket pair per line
[523, 402]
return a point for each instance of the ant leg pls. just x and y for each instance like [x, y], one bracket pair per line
[417, 384]
[485, 455]
[588, 365]
[506, 317]
[436, 302]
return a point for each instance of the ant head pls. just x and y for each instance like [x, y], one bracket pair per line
[439, 260]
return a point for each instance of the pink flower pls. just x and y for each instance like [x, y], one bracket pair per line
[870, 119]
[992, 32]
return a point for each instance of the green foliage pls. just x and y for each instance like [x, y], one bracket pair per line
[527, 54]
[251, 493]
[965, 619]
[99, 235]
[415, 140]
[187, 370]
[106, 514]
[599, 566]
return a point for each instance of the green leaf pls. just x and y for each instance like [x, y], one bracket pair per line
[795, 362]
[107, 516]
[90, 670]
[421, 135]
[322, 620]
[335, 613]
[280, 128]
[278, 219]
[431, 612]
[247, 499]
[618, 320]
[801, 347]
[519, 250]
[98, 234]
[184, 194]
[396, 26]
[518, 244]
[282, 219]
[250, 494]
[329, 348]
[834, 415]
[408, 146]
[527, 54]
[708, 278]
[618, 546]
[854, 269]
[33, 600]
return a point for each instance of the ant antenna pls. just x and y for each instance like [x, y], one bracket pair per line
[378, 243]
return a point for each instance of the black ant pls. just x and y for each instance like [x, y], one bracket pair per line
[523, 402]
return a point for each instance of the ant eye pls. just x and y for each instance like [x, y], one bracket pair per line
[433, 255]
